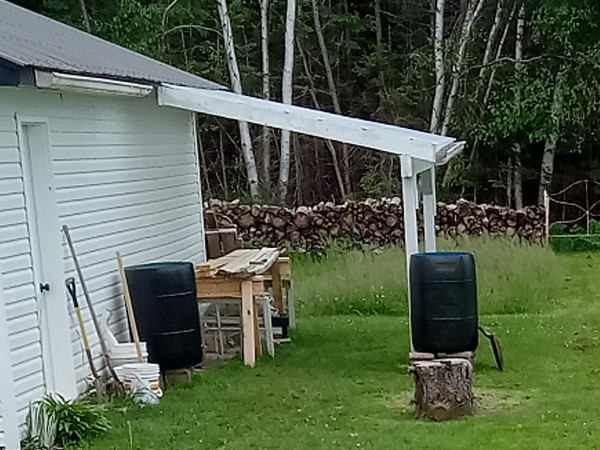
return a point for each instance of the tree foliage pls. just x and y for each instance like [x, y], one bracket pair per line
[383, 69]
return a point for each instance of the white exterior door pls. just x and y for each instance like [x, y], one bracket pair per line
[47, 252]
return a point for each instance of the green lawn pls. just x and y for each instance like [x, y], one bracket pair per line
[343, 382]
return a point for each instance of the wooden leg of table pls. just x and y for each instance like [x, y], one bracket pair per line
[257, 345]
[291, 306]
[221, 350]
[277, 288]
[266, 312]
[248, 329]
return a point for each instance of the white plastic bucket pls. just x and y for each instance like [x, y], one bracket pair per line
[145, 371]
[122, 353]
[129, 359]
[127, 354]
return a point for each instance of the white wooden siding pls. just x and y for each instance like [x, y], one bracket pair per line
[17, 273]
[126, 178]
[9, 434]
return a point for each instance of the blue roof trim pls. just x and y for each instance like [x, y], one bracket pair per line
[9, 74]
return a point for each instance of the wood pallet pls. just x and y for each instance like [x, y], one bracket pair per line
[221, 324]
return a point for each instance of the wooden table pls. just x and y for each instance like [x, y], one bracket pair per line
[241, 275]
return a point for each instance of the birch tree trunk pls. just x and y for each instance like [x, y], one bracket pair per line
[378, 25]
[266, 88]
[298, 169]
[490, 82]
[440, 78]
[547, 169]
[224, 183]
[492, 36]
[474, 8]
[286, 97]
[332, 87]
[236, 86]
[518, 176]
[328, 143]
[203, 162]
[85, 16]
[509, 183]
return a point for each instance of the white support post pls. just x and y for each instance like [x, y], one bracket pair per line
[409, 196]
[429, 208]
[411, 230]
[547, 216]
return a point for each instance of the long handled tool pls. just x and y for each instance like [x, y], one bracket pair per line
[495, 348]
[127, 295]
[90, 306]
[71, 288]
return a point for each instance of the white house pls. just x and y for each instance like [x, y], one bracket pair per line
[103, 140]
[83, 143]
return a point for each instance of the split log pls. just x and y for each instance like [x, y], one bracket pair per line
[443, 388]
[302, 218]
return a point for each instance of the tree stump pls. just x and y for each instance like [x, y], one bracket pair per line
[443, 388]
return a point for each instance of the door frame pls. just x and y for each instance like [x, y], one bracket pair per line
[47, 255]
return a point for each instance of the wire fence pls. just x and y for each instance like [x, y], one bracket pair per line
[573, 214]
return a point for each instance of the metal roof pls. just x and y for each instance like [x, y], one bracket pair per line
[31, 40]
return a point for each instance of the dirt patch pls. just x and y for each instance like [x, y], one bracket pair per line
[487, 402]
[497, 401]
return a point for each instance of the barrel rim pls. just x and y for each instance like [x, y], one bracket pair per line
[440, 254]
[158, 265]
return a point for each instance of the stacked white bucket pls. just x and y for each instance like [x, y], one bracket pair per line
[123, 357]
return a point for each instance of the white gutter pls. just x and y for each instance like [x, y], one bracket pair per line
[89, 85]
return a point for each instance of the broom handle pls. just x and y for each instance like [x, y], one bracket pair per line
[90, 306]
[84, 338]
[127, 294]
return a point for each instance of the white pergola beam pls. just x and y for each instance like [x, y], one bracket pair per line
[419, 152]
[379, 136]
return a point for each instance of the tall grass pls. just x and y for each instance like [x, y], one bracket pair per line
[513, 277]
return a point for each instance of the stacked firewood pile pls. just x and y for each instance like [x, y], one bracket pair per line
[376, 222]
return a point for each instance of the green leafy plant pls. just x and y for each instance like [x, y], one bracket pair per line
[40, 429]
[76, 420]
[54, 422]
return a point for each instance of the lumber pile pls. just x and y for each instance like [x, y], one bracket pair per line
[242, 263]
[219, 241]
[375, 222]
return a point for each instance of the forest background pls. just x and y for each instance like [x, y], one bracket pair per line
[518, 80]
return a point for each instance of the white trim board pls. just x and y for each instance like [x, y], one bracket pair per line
[379, 136]
[46, 251]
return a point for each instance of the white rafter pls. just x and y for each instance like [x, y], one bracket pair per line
[379, 136]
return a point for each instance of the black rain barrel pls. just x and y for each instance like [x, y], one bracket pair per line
[166, 311]
[443, 300]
